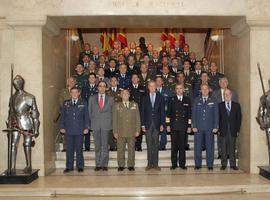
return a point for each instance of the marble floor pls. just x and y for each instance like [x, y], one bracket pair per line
[150, 185]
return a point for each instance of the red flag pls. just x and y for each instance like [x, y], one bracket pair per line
[182, 39]
[122, 39]
[104, 42]
[113, 37]
[172, 39]
[164, 35]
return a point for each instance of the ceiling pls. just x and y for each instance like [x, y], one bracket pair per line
[137, 22]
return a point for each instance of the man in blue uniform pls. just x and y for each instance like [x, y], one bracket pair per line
[204, 125]
[74, 123]
[124, 79]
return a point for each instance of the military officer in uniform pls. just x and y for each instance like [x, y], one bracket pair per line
[89, 89]
[167, 78]
[63, 96]
[74, 123]
[205, 121]
[214, 76]
[179, 113]
[115, 92]
[123, 77]
[180, 78]
[137, 91]
[144, 76]
[126, 126]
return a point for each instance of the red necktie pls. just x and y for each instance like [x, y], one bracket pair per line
[101, 102]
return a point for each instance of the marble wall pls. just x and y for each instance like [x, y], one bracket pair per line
[54, 79]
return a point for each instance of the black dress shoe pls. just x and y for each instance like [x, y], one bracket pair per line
[210, 168]
[219, 157]
[162, 149]
[113, 149]
[173, 167]
[63, 150]
[140, 149]
[67, 170]
[105, 168]
[97, 169]
[223, 168]
[234, 168]
[121, 169]
[187, 148]
[131, 169]
[80, 170]
[87, 149]
[183, 167]
[197, 167]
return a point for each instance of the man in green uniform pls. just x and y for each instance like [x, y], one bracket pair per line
[126, 126]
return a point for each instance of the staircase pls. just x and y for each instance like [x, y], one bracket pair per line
[140, 157]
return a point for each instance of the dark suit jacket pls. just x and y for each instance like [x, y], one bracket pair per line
[232, 121]
[157, 114]
[179, 113]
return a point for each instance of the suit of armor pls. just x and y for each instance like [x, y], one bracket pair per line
[24, 118]
[263, 116]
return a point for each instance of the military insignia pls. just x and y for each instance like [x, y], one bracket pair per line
[186, 104]
[211, 103]
[199, 104]
[81, 106]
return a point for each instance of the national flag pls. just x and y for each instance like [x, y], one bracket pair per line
[122, 38]
[104, 42]
[182, 39]
[171, 37]
[164, 35]
[113, 37]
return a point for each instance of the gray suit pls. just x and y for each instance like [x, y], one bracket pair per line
[217, 95]
[101, 124]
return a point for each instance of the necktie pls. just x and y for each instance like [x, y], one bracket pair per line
[204, 99]
[228, 107]
[126, 105]
[152, 100]
[74, 102]
[101, 102]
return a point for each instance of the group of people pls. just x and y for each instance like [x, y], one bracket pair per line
[138, 91]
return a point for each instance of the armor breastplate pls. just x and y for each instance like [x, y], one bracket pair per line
[22, 108]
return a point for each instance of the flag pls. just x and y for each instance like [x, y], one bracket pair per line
[164, 35]
[113, 37]
[182, 39]
[104, 42]
[171, 37]
[122, 38]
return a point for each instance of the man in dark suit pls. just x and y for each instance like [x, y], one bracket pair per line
[131, 67]
[111, 70]
[153, 122]
[137, 91]
[204, 123]
[229, 125]
[218, 94]
[74, 123]
[179, 113]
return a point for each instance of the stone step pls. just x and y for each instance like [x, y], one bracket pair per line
[138, 155]
[61, 164]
